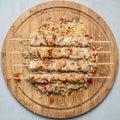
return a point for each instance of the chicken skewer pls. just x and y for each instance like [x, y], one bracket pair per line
[37, 78]
[28, 39]
[52, 40]
[60, 65]
[106, 63]
[65, 77]
[16, 52]
[69, 77]
[32, 40]
[64, 52]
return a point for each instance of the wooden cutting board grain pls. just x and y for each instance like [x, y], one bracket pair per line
[64, 106]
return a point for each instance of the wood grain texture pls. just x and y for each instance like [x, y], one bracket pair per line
[80, 102]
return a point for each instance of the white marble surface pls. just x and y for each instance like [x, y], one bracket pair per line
[10, 109]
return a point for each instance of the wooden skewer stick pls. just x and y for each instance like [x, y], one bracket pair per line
[20, 39]
[100, 51]
[88, 63]
[100, 63]
[19, 65]
[99, 77]
[101, 41]
[87, 76]
[15, 52]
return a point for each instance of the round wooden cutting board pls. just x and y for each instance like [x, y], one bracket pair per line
[81, 101]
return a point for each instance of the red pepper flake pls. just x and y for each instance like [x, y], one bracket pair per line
[90, 80]
[93, 47]
[51, 100]
[53, 28]
[47, 26]
[62, 33]
[62, 19]
[17, 76]
[69, 92]
[86, 35]
[90, 36]
[94, 69]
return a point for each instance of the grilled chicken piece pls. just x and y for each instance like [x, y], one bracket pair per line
[59, 65]
[52, 40]
[64, 52]
[67, 77]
